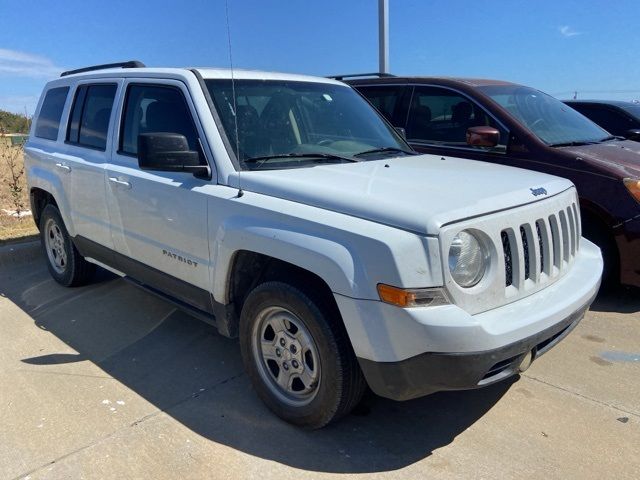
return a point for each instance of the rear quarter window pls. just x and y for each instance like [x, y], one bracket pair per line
[48, 121]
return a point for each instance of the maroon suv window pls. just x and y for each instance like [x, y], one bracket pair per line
[442, 116]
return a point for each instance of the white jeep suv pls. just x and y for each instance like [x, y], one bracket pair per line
[286, 211]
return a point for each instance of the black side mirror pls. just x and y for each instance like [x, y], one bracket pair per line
[633, 134]
[402, 132]
[168, 152]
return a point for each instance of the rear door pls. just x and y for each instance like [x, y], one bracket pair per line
[390, 100]
[159, 219]
[86, 151]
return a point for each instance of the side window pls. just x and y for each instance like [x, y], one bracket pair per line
[612, 121]
[89, 120]
[153, 108]
[50, 113]
[441, 116]
[385, 99]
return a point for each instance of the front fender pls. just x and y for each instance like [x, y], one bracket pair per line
[350, 254]
[331, 260]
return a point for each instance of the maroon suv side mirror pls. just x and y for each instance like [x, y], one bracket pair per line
[483, 136]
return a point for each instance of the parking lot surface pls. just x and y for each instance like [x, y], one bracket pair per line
[108, 381]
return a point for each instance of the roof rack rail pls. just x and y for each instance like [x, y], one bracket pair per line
[129, 64]
[355, 75]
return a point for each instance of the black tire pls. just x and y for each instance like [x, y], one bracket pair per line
[65, 263]
[340, 383]
[596, 232]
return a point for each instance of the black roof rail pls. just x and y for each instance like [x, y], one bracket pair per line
[356, 75]
[129, 64]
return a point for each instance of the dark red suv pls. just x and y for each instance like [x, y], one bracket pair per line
[511, 124]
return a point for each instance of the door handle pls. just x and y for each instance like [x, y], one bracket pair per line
[120, 183]
[63, 167]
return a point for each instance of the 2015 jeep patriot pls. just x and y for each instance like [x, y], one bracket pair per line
[286, 211]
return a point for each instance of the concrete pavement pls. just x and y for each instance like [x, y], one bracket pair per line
[107, 381]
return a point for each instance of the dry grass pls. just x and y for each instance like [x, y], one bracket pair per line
[15, 229]
[11, 228]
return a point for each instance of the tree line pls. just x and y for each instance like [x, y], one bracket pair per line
[13, 123]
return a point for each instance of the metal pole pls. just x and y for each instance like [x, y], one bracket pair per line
[383, 35]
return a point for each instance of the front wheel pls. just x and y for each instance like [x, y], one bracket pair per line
[298, 356]
[599, 234]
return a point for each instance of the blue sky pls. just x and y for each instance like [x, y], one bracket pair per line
[557, 46]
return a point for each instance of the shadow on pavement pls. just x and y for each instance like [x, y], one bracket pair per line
[184, 368]
[619, 300]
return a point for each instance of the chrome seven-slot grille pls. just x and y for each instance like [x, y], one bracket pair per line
[541, 249]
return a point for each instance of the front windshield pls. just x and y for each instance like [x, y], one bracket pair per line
[548, 118]
[300, 123]
[633, 110]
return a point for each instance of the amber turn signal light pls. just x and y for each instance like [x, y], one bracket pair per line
[633, 185]
[412, 297]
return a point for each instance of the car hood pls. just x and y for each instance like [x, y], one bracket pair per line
[417, 193]
[620, 158]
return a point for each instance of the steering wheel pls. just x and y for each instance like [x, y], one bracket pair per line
[325, 142]
[537, 122]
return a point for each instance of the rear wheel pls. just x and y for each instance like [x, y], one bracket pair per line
[298, 356]
[65, 263]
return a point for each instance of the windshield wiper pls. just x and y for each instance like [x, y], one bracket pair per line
[572, 144]
[611, 137]
[386, 149]
[594, 142]
[324, 156]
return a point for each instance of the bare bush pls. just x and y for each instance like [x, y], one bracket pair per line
[12, 159]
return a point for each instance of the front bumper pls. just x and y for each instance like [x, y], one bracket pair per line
[432, 372]
[410, 352]
[627, 238]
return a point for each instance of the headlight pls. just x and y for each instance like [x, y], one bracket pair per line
[633, 185]
[467, 259]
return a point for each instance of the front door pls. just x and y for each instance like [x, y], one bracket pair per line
[159, 219]
[438, 121]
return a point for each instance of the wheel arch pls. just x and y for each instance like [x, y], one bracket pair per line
[328, 259]
[250, 269]
[249, 255]
[43, 184]
[39, 199]
[597, 226]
